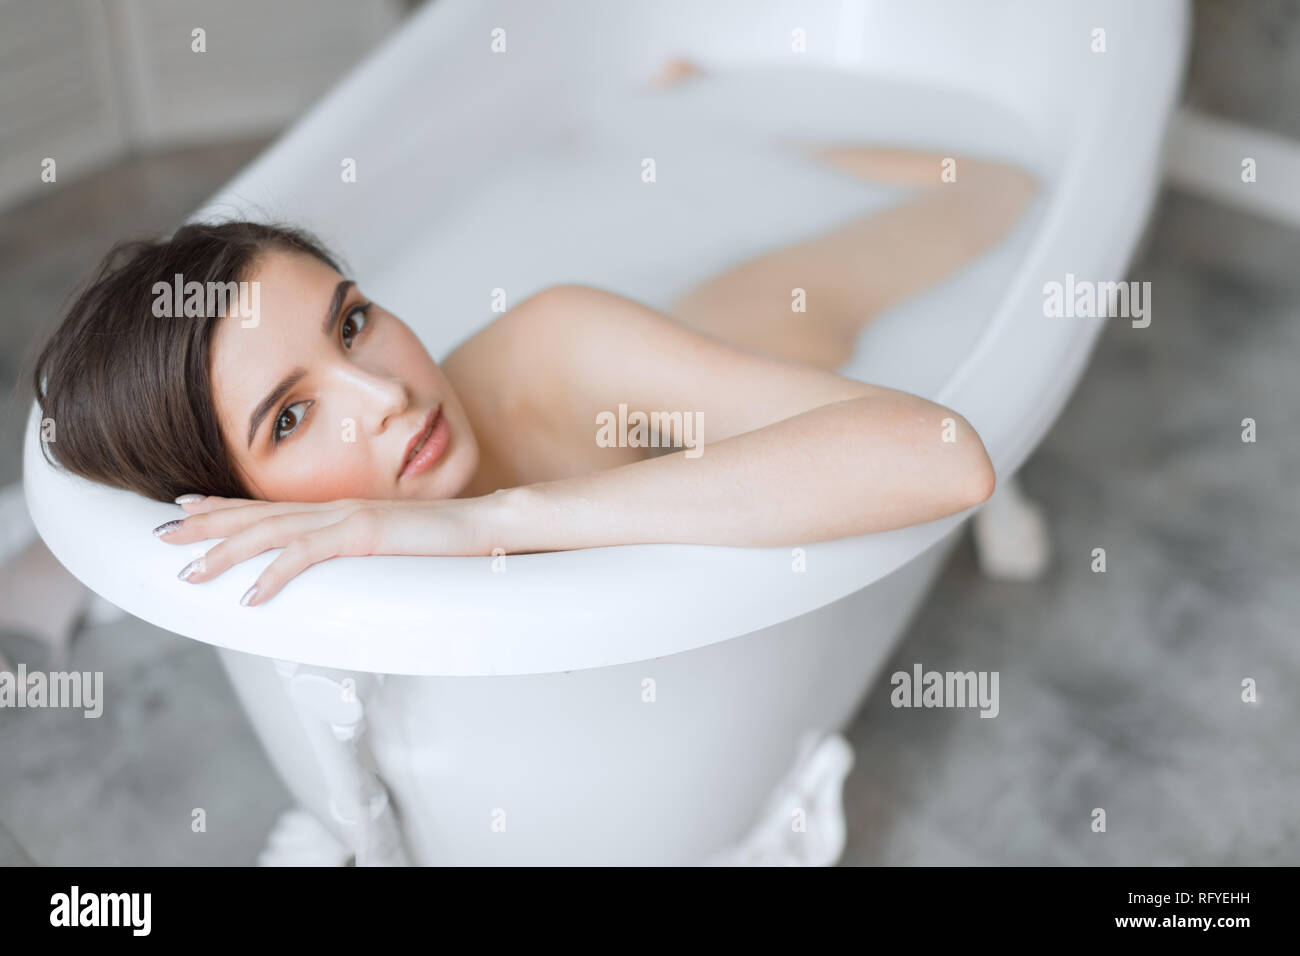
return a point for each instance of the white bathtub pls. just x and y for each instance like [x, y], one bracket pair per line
[503, 717]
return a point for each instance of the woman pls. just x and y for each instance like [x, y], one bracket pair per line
[326, 429]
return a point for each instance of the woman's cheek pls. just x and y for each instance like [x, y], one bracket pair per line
[348, 473]
[327, 472]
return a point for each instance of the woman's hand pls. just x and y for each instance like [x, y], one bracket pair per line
[313, 532]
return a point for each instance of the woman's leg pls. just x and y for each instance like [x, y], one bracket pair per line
[858, 270]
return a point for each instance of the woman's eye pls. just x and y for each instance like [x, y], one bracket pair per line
[357, 319]
[288, 422]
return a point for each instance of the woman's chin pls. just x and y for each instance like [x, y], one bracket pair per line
[447, 479]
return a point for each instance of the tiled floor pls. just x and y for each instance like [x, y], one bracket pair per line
[1119, 691]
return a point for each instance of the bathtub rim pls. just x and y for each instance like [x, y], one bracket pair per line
[496, 634]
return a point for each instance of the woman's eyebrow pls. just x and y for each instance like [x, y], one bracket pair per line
[288, 382]
[336, 303]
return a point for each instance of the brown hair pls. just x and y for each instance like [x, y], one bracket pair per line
[129, 393]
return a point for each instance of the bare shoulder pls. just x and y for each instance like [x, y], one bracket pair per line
[597, 349]
[566, 349]
[536, 381]
[537, 345]
[517, 381]
[506, 359]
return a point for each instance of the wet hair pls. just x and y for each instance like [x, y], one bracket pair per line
[129, 393]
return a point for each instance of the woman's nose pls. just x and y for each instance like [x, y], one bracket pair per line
[378, 398]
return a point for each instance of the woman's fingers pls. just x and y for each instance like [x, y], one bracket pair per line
[217, 522]
[236, 514]
[349, 537]
[277, 531]
[310, 534]
[203, 503]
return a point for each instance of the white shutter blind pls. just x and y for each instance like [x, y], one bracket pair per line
[58, 94]
[265, 62]
[82, 81]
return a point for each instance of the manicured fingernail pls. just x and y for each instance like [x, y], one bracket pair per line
[191, 569]
[247, 599]
[167, 527]
[189, 499]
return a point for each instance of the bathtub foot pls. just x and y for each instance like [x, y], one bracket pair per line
[332, 712]
[802, 823]
[299, 839]
[1011, 539]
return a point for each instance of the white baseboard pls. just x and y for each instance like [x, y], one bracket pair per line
[1205, 156]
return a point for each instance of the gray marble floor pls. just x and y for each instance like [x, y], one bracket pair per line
[1119, 691]
[1124, 690]
[120, 789]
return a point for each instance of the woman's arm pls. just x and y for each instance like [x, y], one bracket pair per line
[853, 467]
[790, 454]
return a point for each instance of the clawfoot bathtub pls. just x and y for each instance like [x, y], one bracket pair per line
[651, 704]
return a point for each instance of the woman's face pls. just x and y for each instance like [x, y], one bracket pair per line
[332, 389]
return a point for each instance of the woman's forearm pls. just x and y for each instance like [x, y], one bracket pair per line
[853, 467]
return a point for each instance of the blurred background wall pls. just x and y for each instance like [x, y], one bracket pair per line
[90, 81]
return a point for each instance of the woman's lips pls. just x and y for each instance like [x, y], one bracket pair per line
[429, 452]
